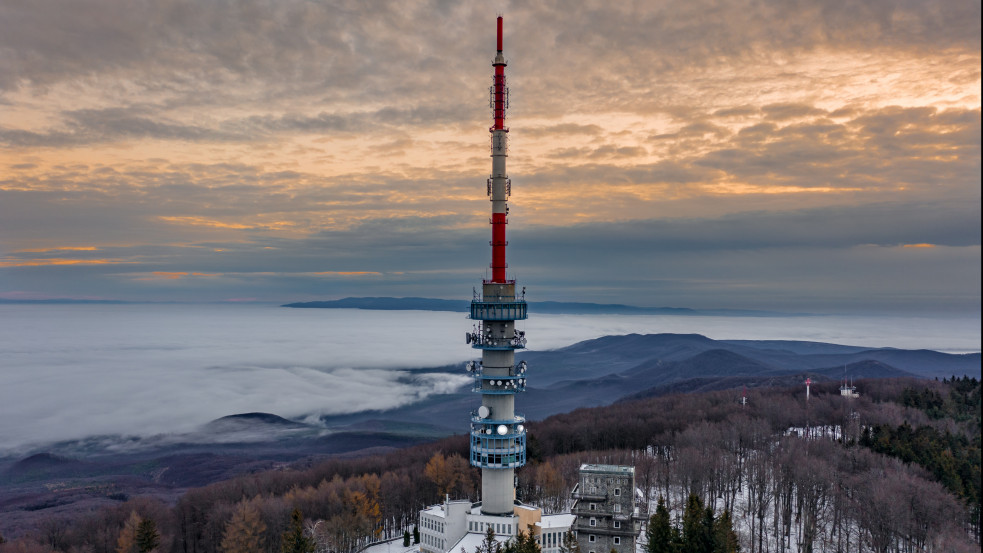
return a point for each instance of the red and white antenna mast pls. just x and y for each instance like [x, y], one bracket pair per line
[499, 186]
[808, 382]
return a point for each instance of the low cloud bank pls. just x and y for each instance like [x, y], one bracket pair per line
[94, 370]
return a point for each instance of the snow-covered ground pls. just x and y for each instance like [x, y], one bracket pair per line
[392, 546]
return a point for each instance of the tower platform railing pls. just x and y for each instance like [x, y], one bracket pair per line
[499, 311]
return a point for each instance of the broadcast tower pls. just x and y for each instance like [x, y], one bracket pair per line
[498, 434]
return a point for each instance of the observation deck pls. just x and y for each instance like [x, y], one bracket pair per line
[498, 444]
[499, 311]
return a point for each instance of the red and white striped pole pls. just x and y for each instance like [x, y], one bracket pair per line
[499, 152]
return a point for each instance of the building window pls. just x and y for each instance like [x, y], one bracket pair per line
[593, 521]
[617, 524]
[591, 538]
[617, 540]
[593, 506]
[617, 507]
[617, 492]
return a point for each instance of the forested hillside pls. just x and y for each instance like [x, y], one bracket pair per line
[896, 469]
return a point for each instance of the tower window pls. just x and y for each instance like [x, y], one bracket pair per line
[593, 506]
[617, 492]
[617, 524]
[591, 538]
[593, 522]
[617, 540]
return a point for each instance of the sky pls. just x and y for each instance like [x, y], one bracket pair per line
[807, 156]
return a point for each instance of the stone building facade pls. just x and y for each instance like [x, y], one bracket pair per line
[607, 518]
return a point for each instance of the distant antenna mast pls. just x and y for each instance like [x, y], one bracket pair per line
[743, 395]
[808, 382]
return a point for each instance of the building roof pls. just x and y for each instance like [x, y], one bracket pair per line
[562, 520]
[437, 510]
[607, 469]
[472, 540]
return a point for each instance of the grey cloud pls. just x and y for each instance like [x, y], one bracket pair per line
[562, 129]
[368, 50]
[781, 112]
[694, 130]
[741, 111]
[606, 151]
[878, 148]
[93, 126]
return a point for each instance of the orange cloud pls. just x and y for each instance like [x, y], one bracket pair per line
[172, 275]
[169, 276]
[65, 248]
[349, 273]
[919, 245]
[202, 222]
[58, 261]
[731, 189]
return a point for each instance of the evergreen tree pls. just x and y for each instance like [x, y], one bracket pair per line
[523, 542]
[698, 534]
[294, 540]
[708, 542]
[570, 543]
[416, 535]
[489, 544]
[147, 538]
[406, 538]
[244, 531]
[658, 535]
[725, 539]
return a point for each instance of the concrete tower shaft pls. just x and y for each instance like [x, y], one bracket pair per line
[498, 434]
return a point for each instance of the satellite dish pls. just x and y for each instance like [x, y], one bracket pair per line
[503, 430]
[520, 428]
[483, 412]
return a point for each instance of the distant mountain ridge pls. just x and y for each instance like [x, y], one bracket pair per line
[613, 368]
[547, 307]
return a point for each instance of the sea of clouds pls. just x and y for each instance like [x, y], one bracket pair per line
[72, 371]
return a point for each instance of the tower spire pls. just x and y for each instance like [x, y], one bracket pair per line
[499, 186]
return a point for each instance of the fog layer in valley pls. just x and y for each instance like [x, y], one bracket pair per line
[72, 371]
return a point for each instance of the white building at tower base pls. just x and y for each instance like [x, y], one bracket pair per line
[459, 524]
